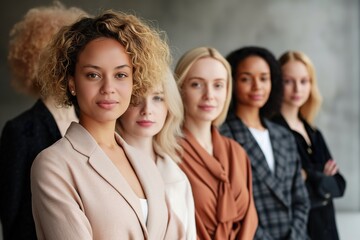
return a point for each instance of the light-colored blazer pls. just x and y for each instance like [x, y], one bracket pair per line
[78, 193]
[179, 193]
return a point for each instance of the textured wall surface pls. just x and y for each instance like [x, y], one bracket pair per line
[327, 30]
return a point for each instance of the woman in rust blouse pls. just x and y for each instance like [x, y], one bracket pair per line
[217, 167]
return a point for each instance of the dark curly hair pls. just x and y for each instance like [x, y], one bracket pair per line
[273, 104]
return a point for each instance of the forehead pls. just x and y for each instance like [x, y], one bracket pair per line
[101, 51]
[207, 68]
[253, 64]
[295, 67]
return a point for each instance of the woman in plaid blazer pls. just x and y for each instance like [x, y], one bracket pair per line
[280, 195]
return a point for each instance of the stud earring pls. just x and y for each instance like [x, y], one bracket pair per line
[73, 92]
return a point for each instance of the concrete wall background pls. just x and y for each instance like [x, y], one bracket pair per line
[327, 30]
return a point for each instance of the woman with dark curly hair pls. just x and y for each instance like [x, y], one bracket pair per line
[280, 195]
[24, 136]
[91, 184]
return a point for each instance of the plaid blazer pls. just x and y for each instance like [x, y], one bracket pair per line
[281, 198]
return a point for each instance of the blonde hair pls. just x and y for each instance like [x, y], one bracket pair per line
[187, 61]
[166, 141]
[29, 37]
[146, 46]
[312, 105]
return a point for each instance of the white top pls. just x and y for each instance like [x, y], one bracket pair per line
[263, 139]
[144, 207]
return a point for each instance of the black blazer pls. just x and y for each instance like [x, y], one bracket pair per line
[281, 198]
[22, 139]
[321, 188]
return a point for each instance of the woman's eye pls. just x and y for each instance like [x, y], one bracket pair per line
[195, 85]
[287, 81]
[264, 79]
[245, 79]
[219, 85]
[158, 98]
[93, 75]
[121, 75]
[304, 81]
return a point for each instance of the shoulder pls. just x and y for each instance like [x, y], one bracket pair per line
[277, 129]
[232, 144]
[29, 122]
[50, 164]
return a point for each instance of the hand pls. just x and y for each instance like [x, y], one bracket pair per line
[330, 168]
[303, 174]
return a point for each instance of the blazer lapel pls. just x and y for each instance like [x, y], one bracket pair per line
[149, 178]
[100, 162]
[260, 168]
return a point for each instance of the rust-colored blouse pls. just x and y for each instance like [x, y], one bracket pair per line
[222, 188]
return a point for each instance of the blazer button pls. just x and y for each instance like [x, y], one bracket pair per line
[327, 195]
[324, 203]
[309, 150]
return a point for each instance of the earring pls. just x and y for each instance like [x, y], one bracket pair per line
[73, 92]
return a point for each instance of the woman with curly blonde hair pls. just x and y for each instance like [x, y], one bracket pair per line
[102, 187]
[24, 136]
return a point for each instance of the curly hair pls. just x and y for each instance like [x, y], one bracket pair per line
[187, 61]
[29, 37]
[145, 44]
[273, 104]
[312, 105]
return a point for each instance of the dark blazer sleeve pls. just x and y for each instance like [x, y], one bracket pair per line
[326, 187]
[15, 203]
[22, 139]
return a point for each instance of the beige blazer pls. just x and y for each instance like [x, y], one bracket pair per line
[79, 194]
[179, 193]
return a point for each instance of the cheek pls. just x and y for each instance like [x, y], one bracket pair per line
[187, 98]
[288, 89]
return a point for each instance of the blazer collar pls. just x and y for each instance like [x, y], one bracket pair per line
[85, 144]
[169, 170]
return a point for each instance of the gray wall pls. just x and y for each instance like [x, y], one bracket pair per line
[327, 30]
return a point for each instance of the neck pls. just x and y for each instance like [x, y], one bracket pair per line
[250, 116]
[103, 133]
[291, 114]
[202, 133]
[143, 143]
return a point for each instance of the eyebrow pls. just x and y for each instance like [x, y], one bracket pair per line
[97, 67]
[202, 79]
[158, 92]
[248, 73]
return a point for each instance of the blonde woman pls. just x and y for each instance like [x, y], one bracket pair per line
[300, 105]
[91, 184]
[24, 136]
[217, 167]
[152, 124]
